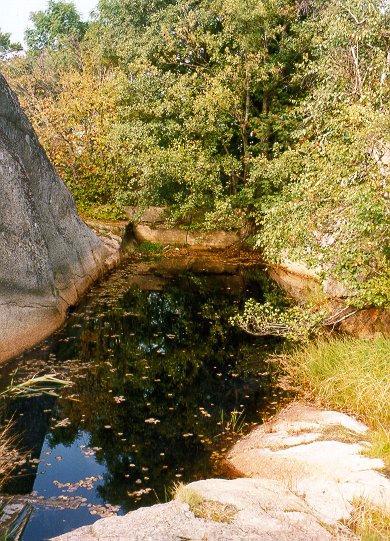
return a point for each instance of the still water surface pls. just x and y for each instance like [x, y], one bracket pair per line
[156, 372]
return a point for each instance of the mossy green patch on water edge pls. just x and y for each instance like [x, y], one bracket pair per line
[350, 375]
[150, 248]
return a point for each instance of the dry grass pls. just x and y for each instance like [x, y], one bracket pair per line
[380, 446]
[36, 386]
[342, 434]
[350, 375]
[186, 495]
[9, 456]
[370, 523]
[203, 508]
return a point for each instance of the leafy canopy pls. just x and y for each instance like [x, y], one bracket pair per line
[59, 20]
[268, 114]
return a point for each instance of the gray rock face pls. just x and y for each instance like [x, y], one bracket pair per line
[48, 256]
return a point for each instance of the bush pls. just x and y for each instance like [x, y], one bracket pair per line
[294, 323]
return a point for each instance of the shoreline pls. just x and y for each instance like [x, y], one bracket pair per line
[301, 479]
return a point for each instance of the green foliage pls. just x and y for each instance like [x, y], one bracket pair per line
[335, 216]
[294, 323]
[272, 112]
[60, 20]
[6, 45]
[325, 197]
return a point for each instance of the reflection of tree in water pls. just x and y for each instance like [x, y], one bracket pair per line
[168, 354]
[157, 356]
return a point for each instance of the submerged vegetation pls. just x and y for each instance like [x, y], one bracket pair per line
[272, 113]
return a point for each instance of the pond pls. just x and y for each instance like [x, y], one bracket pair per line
[161, 385]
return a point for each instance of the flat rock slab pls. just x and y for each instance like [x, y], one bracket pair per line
[265, 511]
[181, 237]
[317, 454]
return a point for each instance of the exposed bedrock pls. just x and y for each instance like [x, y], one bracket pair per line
[48, 256]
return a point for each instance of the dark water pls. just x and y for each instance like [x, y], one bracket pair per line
[157, 372]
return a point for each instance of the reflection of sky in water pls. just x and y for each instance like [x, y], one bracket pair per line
[156, 375]
[51, 469]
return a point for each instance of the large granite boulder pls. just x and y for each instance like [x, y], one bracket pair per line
[48, 256]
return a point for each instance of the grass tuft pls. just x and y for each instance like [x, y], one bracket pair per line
[37, 385]
[352, 375]
[186, 495]
[9, 456]
[203, 508]
[370, 523]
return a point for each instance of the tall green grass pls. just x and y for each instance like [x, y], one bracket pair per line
[352, 375]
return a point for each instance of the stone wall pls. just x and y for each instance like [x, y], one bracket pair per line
[150, 225]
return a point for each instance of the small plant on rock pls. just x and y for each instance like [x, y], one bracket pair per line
[294, 323]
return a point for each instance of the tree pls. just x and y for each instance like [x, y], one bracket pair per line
[7, 46]
[331, 208]
[60, 20]
[270, 111]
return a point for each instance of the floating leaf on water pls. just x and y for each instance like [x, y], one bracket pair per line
[140, 492]
[152, 421]
[62, 424]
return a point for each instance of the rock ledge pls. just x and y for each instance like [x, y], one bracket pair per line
[303, 470]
